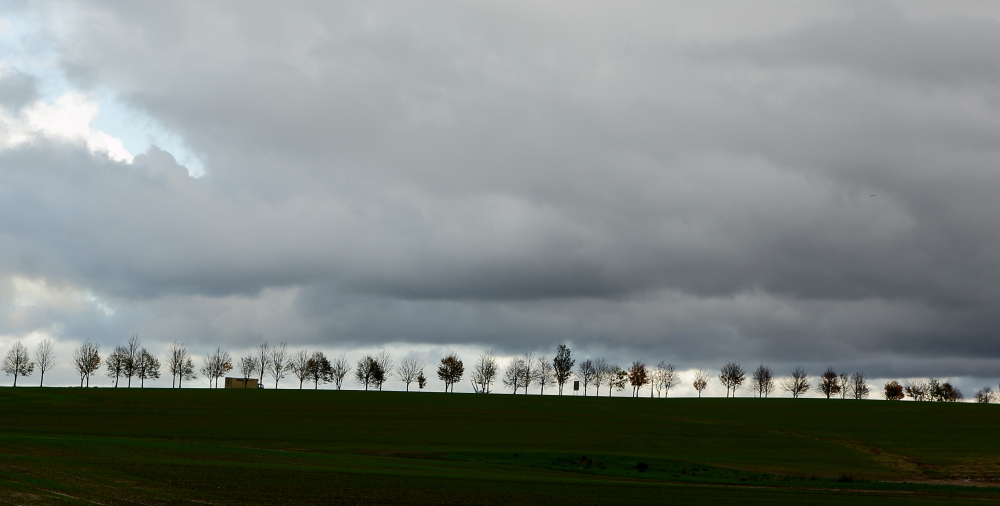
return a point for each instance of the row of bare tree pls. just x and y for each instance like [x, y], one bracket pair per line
[275, 362]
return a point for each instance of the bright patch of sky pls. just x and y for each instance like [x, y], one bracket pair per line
[102, 121]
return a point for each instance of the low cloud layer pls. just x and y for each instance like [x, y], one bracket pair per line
[816, 185]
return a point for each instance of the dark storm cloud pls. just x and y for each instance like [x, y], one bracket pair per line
[515, 177]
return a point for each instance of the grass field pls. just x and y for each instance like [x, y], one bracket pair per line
[162, 446]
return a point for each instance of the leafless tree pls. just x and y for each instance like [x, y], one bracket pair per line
[859, 386]
[732, 376]
[386, 367]
[514, 376]
[796, 384]
[17, 362]
[87, 360]
[893, 391]
[762, 381]
[601, 374]
[319, 369]
[299, 366]
[216, 366]
[666, 377]
[701, 379]
[829, 383]
[562, 366]
[845, 385]
[408, 370]
[263, 352]
[45, 358]
[339, 369]
[247, 366]
[638, 376]
[543, 374]
[277, 362]
[484, 372]
[586, 372]
[529, 371]
[177, 355]
[147, 367]
[984, 395]
[115, 363]
[131, 357]
[916, 390]
[450, 371]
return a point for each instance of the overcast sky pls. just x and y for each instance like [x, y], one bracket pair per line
[812, 183]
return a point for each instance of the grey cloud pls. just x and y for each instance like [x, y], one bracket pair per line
[17, 89]
[379, 174]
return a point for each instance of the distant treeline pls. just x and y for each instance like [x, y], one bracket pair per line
[275, 362]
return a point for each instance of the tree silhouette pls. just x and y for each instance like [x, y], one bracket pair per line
[44, 358]
[17, 362]
[732, 376]
[87, 360]
[563, 365]
[450, 370]
[796, 384]
[701, 379]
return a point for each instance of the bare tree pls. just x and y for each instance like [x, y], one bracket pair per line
[18, 362]
[829, 383]
[916, 390]
[386, 368]
[484, 372]
[529, 371]
[45, 358]
[586, 372]
[87, 360]
[277, 362]
[667, 377]
[762, 381]
[845, 385]
[263, 352]
[601, 374]
[796, 384]
[217, 365]
[147, 367]
[131, 357]
[450, 371]
[543, 374]
[732, 376]
[859, 386]
[563, 366]
[515, 376]
[115, 363]
[176, 357]
[701, 379]
[893, 391]
[339, 369]
[984, 395]
[320, 370]
[299, 366]
[638, 377]
[247, 366]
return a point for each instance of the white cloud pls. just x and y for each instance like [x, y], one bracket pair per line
[67, 119]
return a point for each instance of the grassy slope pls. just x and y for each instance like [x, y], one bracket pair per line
[235, 446]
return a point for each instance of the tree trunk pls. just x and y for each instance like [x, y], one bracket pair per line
[15, 379]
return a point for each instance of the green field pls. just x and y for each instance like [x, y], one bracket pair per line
[162, 446]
